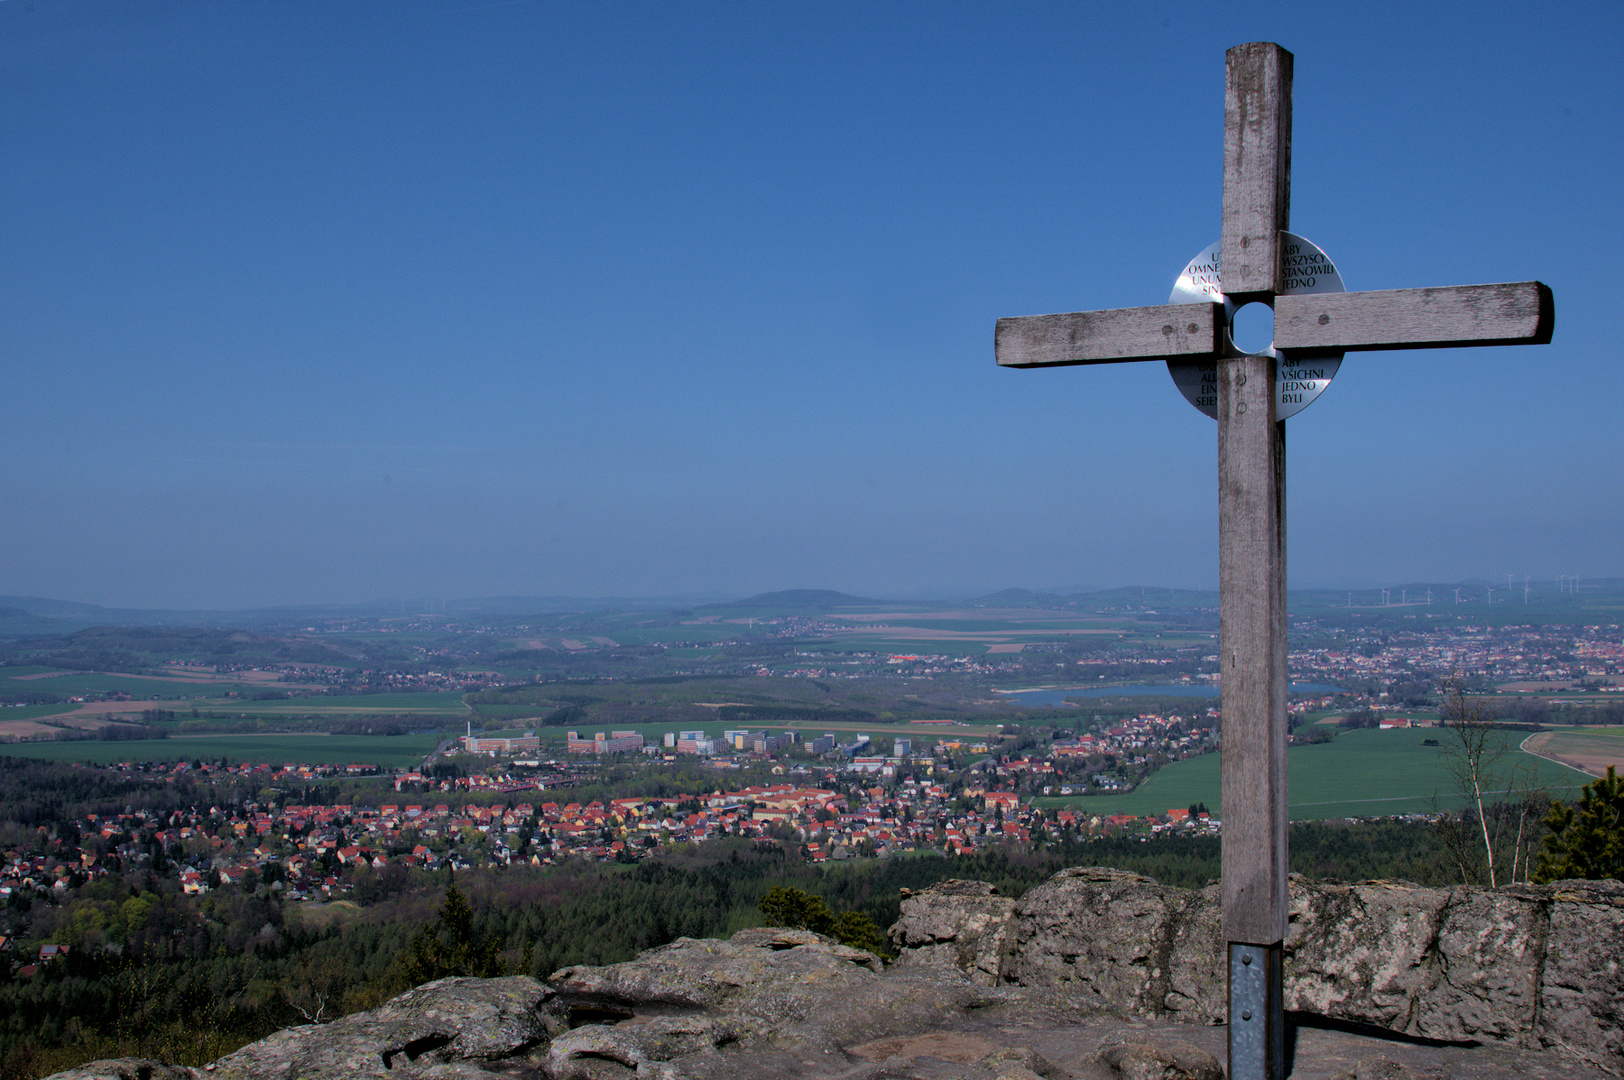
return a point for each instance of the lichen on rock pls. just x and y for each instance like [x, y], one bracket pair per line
[989, 988]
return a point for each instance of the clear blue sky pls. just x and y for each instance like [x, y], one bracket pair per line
[314, 302]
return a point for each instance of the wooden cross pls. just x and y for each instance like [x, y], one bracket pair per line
[1251, 487]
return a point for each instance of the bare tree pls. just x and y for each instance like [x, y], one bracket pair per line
[1505, 808]
[315, 994]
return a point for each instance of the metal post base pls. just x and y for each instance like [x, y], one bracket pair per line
[1257, 1019]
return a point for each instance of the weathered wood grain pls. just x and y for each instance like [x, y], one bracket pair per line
[1514, 313]
[1257, 167]
[1252, 504]
[1252, 649]
[1163, 332]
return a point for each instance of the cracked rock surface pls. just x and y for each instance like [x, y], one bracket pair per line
[1534, 966]
[1096, 975]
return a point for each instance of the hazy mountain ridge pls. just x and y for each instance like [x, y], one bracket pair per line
[1599, 600]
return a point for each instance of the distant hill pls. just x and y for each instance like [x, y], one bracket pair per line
[53, 609]
[125, 648]
[804, 600]
[66, 616]
[17, 621]
[559, 605]
[1014, 598]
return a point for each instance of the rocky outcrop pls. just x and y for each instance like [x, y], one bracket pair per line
[127, 1069]
[764, 1002]
[448, 1028]
[961, 929]
[452, 1028]
[1536, 966]
[795, 990]
[1140, 1061]
[1096, 975]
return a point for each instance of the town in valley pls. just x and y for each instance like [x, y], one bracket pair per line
[795, 719]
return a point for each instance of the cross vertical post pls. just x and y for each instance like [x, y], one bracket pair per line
[1252, 566]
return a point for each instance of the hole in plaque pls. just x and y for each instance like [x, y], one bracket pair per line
[1252, 329]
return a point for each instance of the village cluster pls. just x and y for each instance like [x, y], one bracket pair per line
[1498, 654]
[847, 804]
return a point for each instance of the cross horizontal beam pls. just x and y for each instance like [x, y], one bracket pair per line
[1163, 332]
[1512, 313]
[1515, 313]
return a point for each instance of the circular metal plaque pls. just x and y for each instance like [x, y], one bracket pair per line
[1308, 270]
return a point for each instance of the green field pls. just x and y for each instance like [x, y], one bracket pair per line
[626, 630]
[1050, 626]
[96, 682]
[508, 712]
[308, 748]
[516, 675]
[437, 704]
[30, 712]
[227, 695]
[20, 671]
[906, 633]
[868, 643]
[1364, 773]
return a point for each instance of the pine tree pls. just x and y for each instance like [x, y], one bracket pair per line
[448, 946]
[797, 910]
[856, 929]
[1587, 840]
[785, 906]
